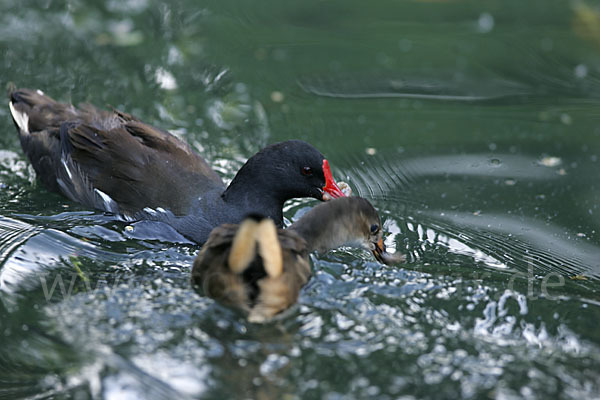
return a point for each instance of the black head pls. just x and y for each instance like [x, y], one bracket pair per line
[288, 170]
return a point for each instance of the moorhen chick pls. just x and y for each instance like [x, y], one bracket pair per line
[260, 269]
[111, 161]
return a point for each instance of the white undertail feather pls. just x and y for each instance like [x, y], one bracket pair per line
[108, 201]
[269, 248]
[20, 118]
[40, 92]
[243, 248]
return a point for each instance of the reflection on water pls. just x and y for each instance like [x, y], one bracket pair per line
[472, 129]
[477, 228]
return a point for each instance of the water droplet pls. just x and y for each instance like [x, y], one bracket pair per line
[565, 119]
[165, 79]
[485, 22]
[550, 161]
[277, 96]
[581, 71]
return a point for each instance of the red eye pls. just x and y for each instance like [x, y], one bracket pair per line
[307, 171]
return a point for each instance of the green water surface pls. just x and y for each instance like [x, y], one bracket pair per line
[472, 126]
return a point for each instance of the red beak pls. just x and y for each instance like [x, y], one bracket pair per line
[330, 186]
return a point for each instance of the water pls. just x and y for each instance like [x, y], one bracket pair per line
[472, 128]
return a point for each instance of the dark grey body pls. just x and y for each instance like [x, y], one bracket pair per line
[113, 162]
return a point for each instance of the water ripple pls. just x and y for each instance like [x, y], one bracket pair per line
[435, 86]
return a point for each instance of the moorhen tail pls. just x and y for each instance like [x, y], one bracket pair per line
[116, 163]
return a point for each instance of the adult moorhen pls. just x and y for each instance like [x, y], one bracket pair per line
[259, 269]
[116, 163]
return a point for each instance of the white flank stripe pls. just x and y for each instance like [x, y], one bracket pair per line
[128, 218]
[108, 201]
[20, 118]
[64, 163]
[149, 211]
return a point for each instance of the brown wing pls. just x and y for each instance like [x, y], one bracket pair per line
[139, 166]
[80, 151]
[279, 294]
[276, 294]
[211, 273]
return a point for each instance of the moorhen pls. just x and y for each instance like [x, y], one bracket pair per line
[260, 269]
[112, 161]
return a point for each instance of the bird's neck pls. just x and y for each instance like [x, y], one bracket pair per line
[254, 196]
[323, 232]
